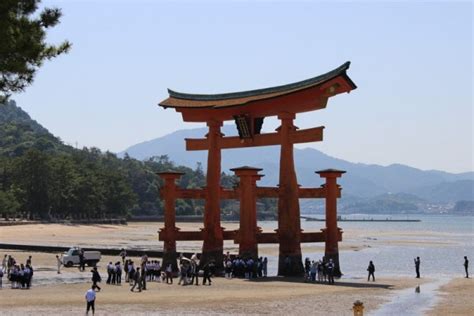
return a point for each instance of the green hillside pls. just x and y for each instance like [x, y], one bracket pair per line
[42, 178]
[19, 133]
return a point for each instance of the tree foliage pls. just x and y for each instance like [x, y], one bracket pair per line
[42, 178]
[90, 184]
[22, 42]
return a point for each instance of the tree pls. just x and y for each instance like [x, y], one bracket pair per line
[8, 204]
[22, 43]
[33, 174]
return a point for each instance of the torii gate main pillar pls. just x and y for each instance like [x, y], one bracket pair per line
[168, 233]
[213, 245]
[332, 232]
[289, 226]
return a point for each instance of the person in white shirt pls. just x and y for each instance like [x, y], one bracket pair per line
[5, 263]
[110, 268]
[90, 299]
[59, 263]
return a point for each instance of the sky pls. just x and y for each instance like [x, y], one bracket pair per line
[412, 62]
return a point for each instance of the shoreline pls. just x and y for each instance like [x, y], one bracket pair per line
[275, 296]
[454, 298]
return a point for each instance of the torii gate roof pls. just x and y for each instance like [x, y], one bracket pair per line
[302, 96]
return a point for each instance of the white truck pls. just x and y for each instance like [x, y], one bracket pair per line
[71, 257]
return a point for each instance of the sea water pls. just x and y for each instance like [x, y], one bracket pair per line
[441, 242]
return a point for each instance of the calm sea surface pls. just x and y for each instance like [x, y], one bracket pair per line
[440, 241]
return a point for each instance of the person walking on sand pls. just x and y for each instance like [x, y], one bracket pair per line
[118, 272]
[183, 274]
[143, 273]
[330, 269]
[417, 267]
[59, 263]
[131, 272]
[28, 261]
[194, 272]
[96, 278]
[208, 267]
[82, 263]
[90, 300]
[109, 273]
[264, 266]
[371, 270]
[123, 254]
[466, 266]
[5, 262]
[169, 274]
[1, 277]
[137, 278]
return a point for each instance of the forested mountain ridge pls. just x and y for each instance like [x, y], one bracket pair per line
[19, 133]
[42, 178]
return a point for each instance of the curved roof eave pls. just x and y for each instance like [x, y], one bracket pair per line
[341, 70]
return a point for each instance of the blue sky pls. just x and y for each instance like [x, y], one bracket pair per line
[412, 63]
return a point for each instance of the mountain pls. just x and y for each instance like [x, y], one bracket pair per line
[42, 178]
[18, 133]
[361, 180]
[10, 113]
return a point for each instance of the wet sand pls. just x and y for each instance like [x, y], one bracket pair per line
[145, 236]
[456, 298]
[58, 294]
[276, 296]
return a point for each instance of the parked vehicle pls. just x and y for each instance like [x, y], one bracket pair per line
[71, 257]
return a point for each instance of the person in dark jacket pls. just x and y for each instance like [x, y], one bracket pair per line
[208, 270]
[371, 270]
[417, 267]
[466, 266]
[82, 262]
[194, 272]
[96, 278]
[137, 278]
[330, 271]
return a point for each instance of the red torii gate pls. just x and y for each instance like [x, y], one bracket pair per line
[248, 109]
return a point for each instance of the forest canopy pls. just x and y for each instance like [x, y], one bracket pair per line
[42, 178]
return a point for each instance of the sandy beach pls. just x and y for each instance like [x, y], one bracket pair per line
[54, 293]
[456, 298]
[274, 295]
[145, 235]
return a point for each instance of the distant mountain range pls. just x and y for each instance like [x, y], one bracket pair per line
[362, 181]
[366, 188]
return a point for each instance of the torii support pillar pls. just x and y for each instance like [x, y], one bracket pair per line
[247, 233]
[289, 225]
[213, 245]
[169, 232]
[332, 232]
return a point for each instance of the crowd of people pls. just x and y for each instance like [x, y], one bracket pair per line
[19, 274]
[248, 268]
[189, 271]
[136, 276]
[319, 271]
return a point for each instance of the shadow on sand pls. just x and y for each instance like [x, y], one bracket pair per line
[359, 284]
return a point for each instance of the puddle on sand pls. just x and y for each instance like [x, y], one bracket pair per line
[412, 301]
